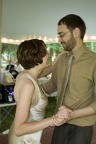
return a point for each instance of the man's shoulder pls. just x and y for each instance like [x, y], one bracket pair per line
[90, 53]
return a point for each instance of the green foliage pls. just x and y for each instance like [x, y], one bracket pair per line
[91, 46]
[94, 46]
[8, 121]
[88, 44]
[54, 49]
[55, 46]
[50, 107]
[9, 50]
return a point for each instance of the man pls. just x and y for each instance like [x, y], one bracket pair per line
[10, 66]
[80, 94]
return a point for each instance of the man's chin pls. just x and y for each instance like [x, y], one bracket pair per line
[65, 49]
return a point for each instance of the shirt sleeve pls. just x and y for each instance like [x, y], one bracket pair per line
[51, 85]
[93, 104]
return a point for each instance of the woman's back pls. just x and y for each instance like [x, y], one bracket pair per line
[37, 111]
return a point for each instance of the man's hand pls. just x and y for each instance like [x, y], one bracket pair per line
[62, 116]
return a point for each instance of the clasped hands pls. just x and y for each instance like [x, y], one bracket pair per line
[62, 116]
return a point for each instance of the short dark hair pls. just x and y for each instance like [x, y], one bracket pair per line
[30, 53]
[72, 21]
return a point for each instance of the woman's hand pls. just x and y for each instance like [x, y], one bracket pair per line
[62, 116]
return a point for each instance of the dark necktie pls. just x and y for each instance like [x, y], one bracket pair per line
[65, 82]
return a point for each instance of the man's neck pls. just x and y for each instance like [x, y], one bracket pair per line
[79, 45]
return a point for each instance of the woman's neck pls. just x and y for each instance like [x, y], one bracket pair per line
[33, 73]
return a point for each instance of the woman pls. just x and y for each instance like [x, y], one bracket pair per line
[31, 102]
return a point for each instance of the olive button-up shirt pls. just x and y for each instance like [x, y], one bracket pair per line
[81, 89]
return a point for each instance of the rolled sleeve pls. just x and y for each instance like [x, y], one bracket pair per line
[49, 87]
[93, 104]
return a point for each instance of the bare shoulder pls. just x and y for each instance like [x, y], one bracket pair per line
[22, 88]
[24, 83]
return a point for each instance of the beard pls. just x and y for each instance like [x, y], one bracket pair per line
[70, 44]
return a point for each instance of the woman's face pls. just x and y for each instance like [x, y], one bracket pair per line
[45, 61]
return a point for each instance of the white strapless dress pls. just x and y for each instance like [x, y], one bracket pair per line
[37, 111]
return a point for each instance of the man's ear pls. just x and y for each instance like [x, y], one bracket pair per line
[76, 32]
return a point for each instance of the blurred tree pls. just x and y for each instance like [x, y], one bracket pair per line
[8, 51]
[91, 46]
[54, 49]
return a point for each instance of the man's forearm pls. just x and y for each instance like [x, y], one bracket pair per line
[87, 111]
[65, 114]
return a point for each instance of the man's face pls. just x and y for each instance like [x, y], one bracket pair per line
[66, 38]
[10, 62]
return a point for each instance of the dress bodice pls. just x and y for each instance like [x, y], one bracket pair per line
[38, 103]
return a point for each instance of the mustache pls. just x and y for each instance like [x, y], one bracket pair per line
[63, 43]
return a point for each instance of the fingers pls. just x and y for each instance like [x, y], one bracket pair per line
[62, 116]
[57, 121]
[63, 108]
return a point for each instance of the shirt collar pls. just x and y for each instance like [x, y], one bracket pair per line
[79, 51]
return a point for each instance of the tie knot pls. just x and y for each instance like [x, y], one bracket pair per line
[70, 55]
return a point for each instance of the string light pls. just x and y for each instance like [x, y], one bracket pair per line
[45, 39]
